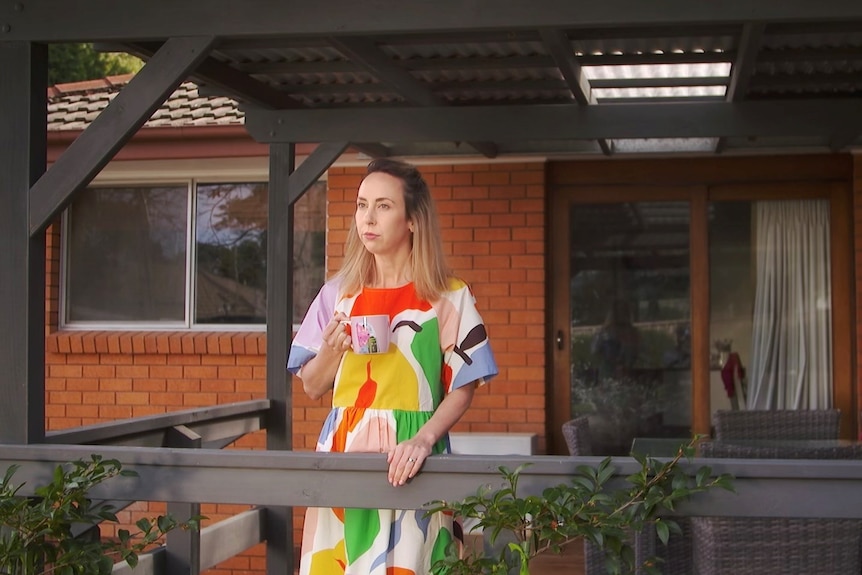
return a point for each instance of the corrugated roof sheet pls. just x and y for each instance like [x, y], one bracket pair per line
[611, 65]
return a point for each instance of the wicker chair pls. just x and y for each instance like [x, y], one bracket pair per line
[776, 424]
[773, 546]
[803, 449]
[576, 432]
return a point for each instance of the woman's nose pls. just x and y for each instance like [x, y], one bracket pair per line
[369, 216]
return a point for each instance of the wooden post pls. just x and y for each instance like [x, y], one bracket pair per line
[23, 126]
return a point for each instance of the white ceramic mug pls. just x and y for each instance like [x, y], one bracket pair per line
[369, 333]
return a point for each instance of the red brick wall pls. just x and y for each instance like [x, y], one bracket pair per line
[493, 223]
[92, 377]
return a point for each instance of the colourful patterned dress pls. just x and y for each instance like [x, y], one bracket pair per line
[379, 401]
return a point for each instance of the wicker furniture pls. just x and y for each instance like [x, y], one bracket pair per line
[577, 435]
[676, 556]
[778, 449]
[776, 424]
[576, 432]
[773, 546]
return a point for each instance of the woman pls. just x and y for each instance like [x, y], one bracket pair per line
[404, 401]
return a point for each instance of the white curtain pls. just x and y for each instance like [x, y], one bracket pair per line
[791, 356]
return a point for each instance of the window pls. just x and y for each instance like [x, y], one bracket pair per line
[185, 255]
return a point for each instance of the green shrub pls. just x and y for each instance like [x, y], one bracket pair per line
[588, 507]
[52, 531]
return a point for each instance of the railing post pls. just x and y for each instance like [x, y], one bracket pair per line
[279, 321]
[183, 548]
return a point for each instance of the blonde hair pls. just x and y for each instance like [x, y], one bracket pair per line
[431, 274]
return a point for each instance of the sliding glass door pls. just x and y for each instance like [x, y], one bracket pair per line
[670, 303]
[630, 321]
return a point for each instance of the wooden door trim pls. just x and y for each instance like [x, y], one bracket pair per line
[701, 412]
[843, 309]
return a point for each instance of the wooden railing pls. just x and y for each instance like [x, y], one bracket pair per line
[271, 479]
[215, 427]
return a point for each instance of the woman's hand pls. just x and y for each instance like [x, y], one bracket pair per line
[406, 460]
[318, 375]
[336, 334]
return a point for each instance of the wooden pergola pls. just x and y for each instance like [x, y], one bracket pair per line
[483, 77]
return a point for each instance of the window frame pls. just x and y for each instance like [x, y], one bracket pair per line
[190, 173]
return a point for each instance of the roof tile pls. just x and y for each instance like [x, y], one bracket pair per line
[75, 105]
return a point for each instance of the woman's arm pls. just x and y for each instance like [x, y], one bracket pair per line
[408, 456]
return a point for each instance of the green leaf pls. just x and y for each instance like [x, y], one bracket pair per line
[662, 531]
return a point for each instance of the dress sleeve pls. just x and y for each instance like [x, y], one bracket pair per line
[306, 343]
[467, 354]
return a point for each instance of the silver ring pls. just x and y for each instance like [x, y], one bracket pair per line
[411, 460]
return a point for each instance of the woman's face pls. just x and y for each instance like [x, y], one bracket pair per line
[381, 215]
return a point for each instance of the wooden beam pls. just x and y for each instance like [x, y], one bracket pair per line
[213, 424]
[557, 43]
[742, 69]
[370, 57]
[764, 118]
[113, 127]
[23, 152]
[228, 81]
[107, 20]
[230, 537]
[371, 149]
[379, 65]
[218, 543]
[482, 63]
[312, 168]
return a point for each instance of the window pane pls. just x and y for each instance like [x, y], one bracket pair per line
[231, 253]
[309, 248]
[127, 255]
[770, 305]
[630, 321]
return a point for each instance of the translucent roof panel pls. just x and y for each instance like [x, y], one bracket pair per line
[660, 145]
[665, 81]
[660, 92]
[639, 71]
